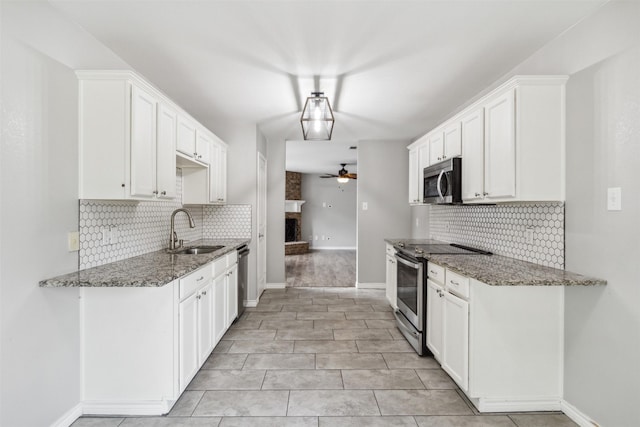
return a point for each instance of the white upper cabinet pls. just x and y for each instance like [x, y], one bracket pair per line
[186, 143]
[203, 145]
[452, 141]
[472, 132]
[500, 145]
[165, 152]
[218, 172]
[418, 160]
[436, 147]
[129, 136]
[143, 143]
[512, 142]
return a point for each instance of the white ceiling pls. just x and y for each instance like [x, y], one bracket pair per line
[320, 157]
[393, 69]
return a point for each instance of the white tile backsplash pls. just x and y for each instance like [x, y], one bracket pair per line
[144, 226]
[502, 229]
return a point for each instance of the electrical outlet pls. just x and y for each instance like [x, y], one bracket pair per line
[528, 235]
[115, 235]
[614, 199]
[73, 241]
[106, 236]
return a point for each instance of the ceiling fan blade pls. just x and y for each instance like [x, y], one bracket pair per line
[351, 175]
[328, 176]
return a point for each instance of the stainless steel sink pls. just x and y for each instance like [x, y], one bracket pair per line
[196, 250]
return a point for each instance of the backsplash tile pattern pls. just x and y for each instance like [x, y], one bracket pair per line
[227, 222]
[502, 228]
[144, 226]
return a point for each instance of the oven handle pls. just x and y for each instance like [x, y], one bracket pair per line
[408, 262]
[401, 322]
[438, 184]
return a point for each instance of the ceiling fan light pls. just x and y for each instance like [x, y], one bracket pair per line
[343, 179]
[317, 118]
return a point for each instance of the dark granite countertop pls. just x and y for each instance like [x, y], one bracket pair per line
[149, 270]
[497, 270]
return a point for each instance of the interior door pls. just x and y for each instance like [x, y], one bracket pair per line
[262, 224]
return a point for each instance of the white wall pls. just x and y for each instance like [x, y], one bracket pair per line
[383, 184]
[276, 183]
[602, 324]
[602, 344]
[242, 176]
[330, 211]
[39, 335]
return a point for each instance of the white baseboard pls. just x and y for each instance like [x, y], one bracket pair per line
[69, 417]
[155, 407]
[371, 285]
[275, 285]
[251, 303]
[333, 248]
[518, 405]
[576, 415]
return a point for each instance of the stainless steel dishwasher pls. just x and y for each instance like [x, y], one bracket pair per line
[243, 264]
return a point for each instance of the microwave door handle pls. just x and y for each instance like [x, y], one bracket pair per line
[438, 185]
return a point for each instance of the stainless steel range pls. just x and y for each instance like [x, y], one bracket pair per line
[412, 275]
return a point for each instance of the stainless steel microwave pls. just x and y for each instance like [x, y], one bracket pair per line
[443, 182]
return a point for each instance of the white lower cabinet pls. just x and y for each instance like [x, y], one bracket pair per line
[188, 334]
[455, 339]
[502, 345]
[391, 277]
[142, 346]
[435, 309]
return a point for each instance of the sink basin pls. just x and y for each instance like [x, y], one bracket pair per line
[197, 250]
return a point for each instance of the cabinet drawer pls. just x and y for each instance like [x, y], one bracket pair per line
[232, 258]
[457, 284]
[435, 273]
[219, 266]
[189, 284]
[390, 250]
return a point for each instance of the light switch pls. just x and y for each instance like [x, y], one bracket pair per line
[365, 206]
[73, 241]
[106, 236]
[614, 199]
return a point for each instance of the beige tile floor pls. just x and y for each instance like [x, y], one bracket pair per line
[321, 268]
[322, 357]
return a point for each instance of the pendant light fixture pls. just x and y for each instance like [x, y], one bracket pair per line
[317, 118]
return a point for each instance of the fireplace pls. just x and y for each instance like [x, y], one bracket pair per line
[290, 230]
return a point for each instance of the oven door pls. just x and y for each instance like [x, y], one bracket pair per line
[410, 289]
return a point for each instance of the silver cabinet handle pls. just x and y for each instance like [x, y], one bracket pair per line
[432, 272]
[204, 292]
[197, 296]
[453, 282]
[201, 277]
[485, 194]
[444, 157]
[260, 235]
[155, 192]
[477, 194]
[164, 193]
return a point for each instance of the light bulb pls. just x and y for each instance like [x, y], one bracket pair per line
[343, 179]
[317, 125]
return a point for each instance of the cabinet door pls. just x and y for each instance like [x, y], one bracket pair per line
[452, 141]
[456, 339]
[166, 152]
[472, 131]
[143, 143]
[436, 147]
[218, 173]
[186, 137]
[423, 162]
[500, 147]
[188, 320]
[205, 323]
[203, 146]
[435, 305]
[392, 286]
[232, 294]
[414, 196]
[220, 307]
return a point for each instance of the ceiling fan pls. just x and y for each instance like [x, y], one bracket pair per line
[343, 174]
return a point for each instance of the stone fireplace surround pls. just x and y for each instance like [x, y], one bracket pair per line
[293, 191]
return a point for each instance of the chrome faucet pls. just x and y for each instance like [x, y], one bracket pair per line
[173, 237]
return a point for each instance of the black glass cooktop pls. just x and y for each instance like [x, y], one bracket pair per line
[434, 248]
